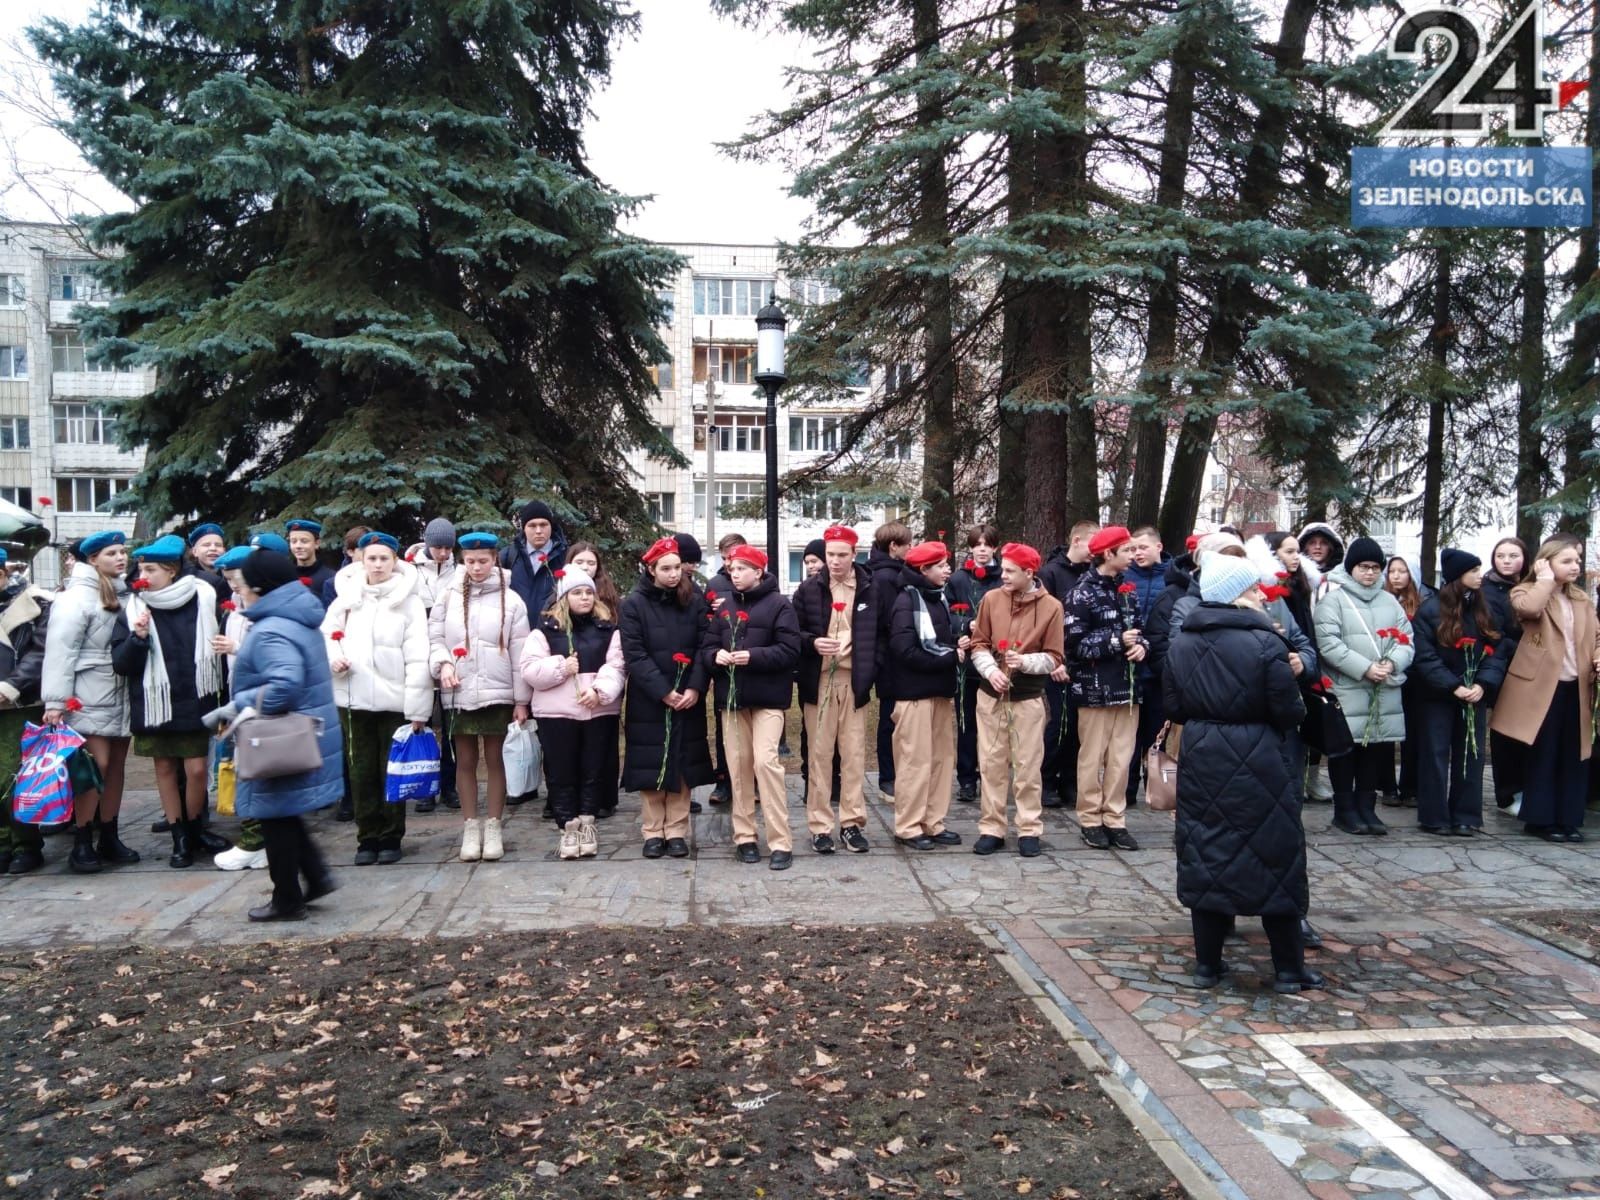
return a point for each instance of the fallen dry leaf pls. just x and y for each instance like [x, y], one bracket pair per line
[217, 1176]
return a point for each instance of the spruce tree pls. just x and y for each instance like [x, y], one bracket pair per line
[366, 257]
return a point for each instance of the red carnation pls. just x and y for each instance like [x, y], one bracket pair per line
[306, 580]
[1401, 638]
[970, 565]
[1127, 589]
[558, 573]
[459, 652]
[683, 660]
[74, 705]
[228, 606]
[742, 615]
[1283, 574]
[711, 596]
[45, 502]
[1488, 651]
[337, 635]
[980, 572]
[1327, 684]
[941, 535]
[1463, 643]
[1002, 644]
[838, 606]
[961, 608]
[140, 585]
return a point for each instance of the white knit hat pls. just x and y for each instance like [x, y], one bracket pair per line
[571, 579]
[1224, 578]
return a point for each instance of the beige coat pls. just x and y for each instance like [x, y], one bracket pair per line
[1535, 668]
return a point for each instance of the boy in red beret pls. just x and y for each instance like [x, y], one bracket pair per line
[1016, 644]
[921, 675]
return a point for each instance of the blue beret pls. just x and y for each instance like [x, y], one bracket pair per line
[268, 541]
[96, 542]
[478, 541]
[381, 539]
[4, 557]
[302, 525]
[234, 558]
[167, 549]
[200, 531]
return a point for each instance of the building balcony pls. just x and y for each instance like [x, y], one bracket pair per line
[94, 385]
[87, 458]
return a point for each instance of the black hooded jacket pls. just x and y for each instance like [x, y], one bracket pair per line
[917, 673]
[654, 629]
[769, 632]
[1180, 582]
[813, 610]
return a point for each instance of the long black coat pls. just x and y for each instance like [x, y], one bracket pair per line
[176, 629]
[916, 673]
[770, 633]
[653, 629]
[813, 609]
[1437, 670]
[1241, 847]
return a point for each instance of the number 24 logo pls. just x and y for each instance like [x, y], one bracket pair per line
[1469, 85]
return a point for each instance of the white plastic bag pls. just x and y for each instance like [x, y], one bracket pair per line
[523, 760]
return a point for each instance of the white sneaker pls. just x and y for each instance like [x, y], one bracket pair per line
[471, 841]
[588, 838]
[493, 847]
[239, 859]
[1515, 808]
[569, 839]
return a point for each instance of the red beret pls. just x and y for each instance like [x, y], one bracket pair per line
[660, 549]
[926, 554]
[753, 555]
[840, 533]
[1109, 538]
[1024, 556]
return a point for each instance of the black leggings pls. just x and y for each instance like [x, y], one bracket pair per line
[1364, 769]
[1212, 928]
[575, 765]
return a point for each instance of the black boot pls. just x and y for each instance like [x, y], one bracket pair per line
[1345, 815]
[1367, 813]
[1310, 939]
[206, 842]
[83, 859]
[182, 844]
[161, 825]
[346, 811]
[110, 847]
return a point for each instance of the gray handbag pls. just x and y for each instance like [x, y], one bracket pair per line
[272, 747]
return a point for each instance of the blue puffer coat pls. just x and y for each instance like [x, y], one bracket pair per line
[283, 667]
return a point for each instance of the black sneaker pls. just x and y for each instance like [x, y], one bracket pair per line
[947, 837]
[1028, 847]
[1290, 983]
[346, 810]
[886, 789]
[25, 860]
[722, 794]
[452, 801]
[427, 804]
[988, 844]
[677, 848]
[921, 842]
[655, 847]
[165, 826]
[388, 855]
[1095, 837]
[366, 856]
[694, 810]
[854, 840]
[967, 794]
[822, 844]
[781, 860]
[1121, 839]
[747, 852]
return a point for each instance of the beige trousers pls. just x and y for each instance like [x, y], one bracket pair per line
[1105, 749]
[841, 723]
[751, 738]
[1010, 757]
[924, 763]
[665, 814]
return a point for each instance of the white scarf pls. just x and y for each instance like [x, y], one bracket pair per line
[207, 668]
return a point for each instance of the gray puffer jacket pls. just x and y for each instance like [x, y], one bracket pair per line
[77, 657]
[1348, 619]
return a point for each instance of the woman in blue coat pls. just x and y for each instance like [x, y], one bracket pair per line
[282, 667]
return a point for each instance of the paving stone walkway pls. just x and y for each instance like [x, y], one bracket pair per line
[1452, 1056]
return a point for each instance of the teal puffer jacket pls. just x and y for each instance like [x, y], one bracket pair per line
[1348, 618]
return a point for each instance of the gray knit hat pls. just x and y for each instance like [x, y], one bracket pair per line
[439, 535]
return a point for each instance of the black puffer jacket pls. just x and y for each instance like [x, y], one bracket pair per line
[1179, 581]
[1097, 661]
[23, 622]
[1060, 574]
[813, 610]
[1241, 848]
[1438, 670]
[653, 629]
[968, 587]
[1497, 591]
[916, 673]
[885, 571]
[176, 630]
[770, 633]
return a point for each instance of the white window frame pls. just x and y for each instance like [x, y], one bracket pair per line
[75, 277]
[13, 362]
[814, 435]
[662, 507]
[13, 291]
[71, 494]
[716, 296]
[22, 497]
[730, 363]
[741, 432]
[729, 493]
[15, 430]
[69, 347]
[94, 423]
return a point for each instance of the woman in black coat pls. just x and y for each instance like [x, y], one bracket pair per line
[1241, 848]
[1509, 565]
[661, 623]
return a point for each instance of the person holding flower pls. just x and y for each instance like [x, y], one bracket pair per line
[978, 575]
[476, 635]
[1104, 646]
[1547, 700]
[665, 756]
[1365, 641]
[1016, 645]
[1457, 674]
[751, 648]
[837, 613]
[586, 557]
[573, 662]
[924, 651]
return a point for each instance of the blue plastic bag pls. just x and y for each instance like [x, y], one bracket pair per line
[42, 794]
[413, 766]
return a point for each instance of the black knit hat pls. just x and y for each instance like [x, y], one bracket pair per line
[816, 548]
[689, 549]
[266, 570]
[534, 510]
[1453, 564]
[1363, 550]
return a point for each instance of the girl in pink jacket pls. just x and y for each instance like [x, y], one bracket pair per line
[573, 662]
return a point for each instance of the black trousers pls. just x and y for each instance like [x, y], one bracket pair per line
[575, 765]
[1508, 756]
[885, 739]
[1411, 701]
[611, 776]
[1283, 933]
[1364, 769]
[1556, 780]
[1449, 781]
[290, 854]
[1059, 769]
[967, 735]
[721, 772]
[1152, 716]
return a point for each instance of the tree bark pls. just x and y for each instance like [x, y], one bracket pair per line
[1530, 389]
[1578, 440]
[1439, 339]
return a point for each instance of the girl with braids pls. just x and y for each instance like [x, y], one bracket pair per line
[1458, 668]
[476, 635]
[586, 557]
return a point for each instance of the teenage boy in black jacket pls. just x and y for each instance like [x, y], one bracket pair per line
[923, 655]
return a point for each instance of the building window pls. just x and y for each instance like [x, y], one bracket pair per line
[668, 305]
[69, 352]
[900, 447]
[87, 494]
[725, 364]
[13, 292]
[815, 433]
[1216, 516]
[667, 433]
[797, 566]
[730, 492]
[662, 506]
[823, 506]
[13, 362]
[1219, 481]
[76, 281]
[84, 425]
[858, 373]
[730, 297]
[13, 433]
[20, 496]
[735, 431]
[814, 291]
[661, 376]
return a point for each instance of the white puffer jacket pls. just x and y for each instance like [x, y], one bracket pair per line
[77, 657]
[490, 622]
[434, 579]
[385, 638]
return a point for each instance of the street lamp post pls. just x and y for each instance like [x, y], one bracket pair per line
[770, 324]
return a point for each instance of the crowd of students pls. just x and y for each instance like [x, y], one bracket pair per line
[1014, 680]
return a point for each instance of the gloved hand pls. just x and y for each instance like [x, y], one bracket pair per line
[218, 717]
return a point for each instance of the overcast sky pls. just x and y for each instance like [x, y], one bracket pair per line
[686, 82]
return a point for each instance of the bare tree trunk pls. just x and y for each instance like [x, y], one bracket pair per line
[1439, 338]
[1580, 390]
[1011, 501]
